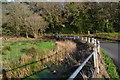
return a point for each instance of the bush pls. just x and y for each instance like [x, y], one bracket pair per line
[6, 48]
[29, 50]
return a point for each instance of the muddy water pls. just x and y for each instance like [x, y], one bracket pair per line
[113, 50]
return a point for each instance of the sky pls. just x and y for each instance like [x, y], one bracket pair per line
[9, 0]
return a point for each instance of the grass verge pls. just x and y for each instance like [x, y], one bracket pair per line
[108, 34]
[109, 41]
[110, 67]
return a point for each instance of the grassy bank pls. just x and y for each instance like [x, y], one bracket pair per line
[109, 41]
[21, 58]
[110, 67]
[108, 34]
[111, 36]
[14, 50]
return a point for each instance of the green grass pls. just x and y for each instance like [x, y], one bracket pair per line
[108, 34]
[24, 56]
[110, 67]
[109, 41]
[13, 50]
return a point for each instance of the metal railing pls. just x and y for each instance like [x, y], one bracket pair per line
[80, 67]
[95, 52]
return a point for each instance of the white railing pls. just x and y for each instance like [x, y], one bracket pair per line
[95, 52]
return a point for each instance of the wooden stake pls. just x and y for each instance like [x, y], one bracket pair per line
[88, 40]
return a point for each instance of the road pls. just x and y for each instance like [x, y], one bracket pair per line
[113, 51]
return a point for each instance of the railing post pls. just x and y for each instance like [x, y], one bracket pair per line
[96, 57]
[74, 37]
[98, 42]
[88, 40]
[95, 43]
[98, 52]
[85, 38]
[92, 40]
[81, 38]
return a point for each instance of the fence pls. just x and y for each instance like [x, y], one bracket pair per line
[95, 52]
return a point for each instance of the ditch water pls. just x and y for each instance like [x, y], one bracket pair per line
[44, 74]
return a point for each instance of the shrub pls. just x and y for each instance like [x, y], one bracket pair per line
[6, 48]
[29, 50]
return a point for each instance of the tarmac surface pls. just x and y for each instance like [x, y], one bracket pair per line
[113, 50]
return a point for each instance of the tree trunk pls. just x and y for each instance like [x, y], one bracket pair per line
[26, 35]
[18, 32]
[35, 36]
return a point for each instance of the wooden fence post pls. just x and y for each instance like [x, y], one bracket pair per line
[95, 65]
[98, 42]
[96, 56]
[98, 52]
[81, 38]
[88, 40]
[74, 37]
[92, 40]
[95, 43]
[85, 38]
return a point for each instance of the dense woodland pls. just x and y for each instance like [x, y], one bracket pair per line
[31, 19]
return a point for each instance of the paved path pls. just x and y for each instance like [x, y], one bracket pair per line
[113, 51]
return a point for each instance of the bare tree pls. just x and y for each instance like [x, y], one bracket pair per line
[19, 20]
[36, 24]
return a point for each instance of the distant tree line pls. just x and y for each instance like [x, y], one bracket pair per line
[31, 19]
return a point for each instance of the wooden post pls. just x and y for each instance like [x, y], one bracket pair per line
[74, 37]
[98, 42]
[95, 43]
[98, 52]
[85, 38]
[82, 38]
[88, 32]
[93, 40]
[96, 56]
[88, 40]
